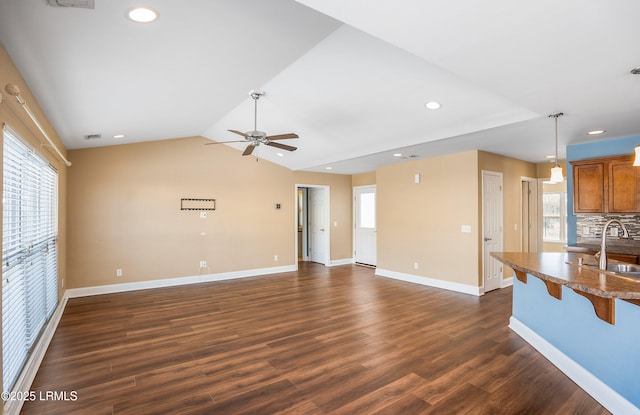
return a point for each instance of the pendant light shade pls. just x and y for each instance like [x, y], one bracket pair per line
[556, 171]
[556, 175]
[636, 162]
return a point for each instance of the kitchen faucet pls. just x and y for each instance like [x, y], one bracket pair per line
[603, 246]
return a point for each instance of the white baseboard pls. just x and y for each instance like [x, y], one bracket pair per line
[336, 262]
[431, 282]
[171, 282]
[600, 391]
[507, 282]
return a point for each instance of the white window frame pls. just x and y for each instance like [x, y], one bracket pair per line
[29, 252]
[562, 216]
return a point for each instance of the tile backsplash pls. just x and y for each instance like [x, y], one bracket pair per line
[594, 224]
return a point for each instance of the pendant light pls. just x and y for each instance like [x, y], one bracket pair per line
[556, 171]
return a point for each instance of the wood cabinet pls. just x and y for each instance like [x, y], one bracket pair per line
[606, 185]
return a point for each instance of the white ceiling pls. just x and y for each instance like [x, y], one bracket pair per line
[350, 77]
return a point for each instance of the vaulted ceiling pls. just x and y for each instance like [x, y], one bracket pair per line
[350, 77]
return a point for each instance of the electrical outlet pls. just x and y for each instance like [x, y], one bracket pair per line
[203, 264]
[585, 230]
[275, 258]
[614, 232]
[415, 265]
[119, 272]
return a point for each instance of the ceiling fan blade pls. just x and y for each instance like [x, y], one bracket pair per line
[282, 136]
[225, 142]
[248, 150]
[239, 133]
[282, 146]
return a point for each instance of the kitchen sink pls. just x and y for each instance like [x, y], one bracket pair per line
[630, 270]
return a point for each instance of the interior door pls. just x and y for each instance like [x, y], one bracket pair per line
[365, 225]
[318, 225]
[492, 228]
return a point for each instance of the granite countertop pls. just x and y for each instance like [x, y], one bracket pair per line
[562, 268]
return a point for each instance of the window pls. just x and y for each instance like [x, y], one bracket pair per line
[29, 257]
[368, 210]
[554, 211]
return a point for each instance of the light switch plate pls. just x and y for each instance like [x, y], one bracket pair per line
[465, 229]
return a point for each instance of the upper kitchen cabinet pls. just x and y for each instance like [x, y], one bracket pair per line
[606, 185]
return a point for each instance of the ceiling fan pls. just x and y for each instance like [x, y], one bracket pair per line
[255, 138]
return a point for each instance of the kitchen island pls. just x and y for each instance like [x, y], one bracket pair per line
[585, 321]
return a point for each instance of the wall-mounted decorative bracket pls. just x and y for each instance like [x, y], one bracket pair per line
[197, 204]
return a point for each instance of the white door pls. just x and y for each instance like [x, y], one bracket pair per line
[318, 225]
[365, 225]
[491, 228]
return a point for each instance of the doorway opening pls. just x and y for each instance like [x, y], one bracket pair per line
[312, 228]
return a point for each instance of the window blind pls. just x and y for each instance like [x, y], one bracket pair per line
[29, 252]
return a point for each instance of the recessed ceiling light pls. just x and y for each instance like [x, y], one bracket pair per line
[119, 136]
[596, 132]
[551, 157]
[142, 15]
[328, 168]
[397, 155]
[432, 105]
[279, 154]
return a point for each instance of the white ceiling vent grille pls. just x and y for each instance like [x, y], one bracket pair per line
[83, 4]
[92, 136]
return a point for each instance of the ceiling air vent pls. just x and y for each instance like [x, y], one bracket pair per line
[92, 136]
[83, 4]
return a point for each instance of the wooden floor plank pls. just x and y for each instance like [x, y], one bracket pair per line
[317, 341]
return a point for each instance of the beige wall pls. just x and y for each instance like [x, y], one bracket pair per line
[363, 179]
[124, 212]
[421, 223]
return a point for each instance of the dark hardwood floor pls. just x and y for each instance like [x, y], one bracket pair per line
[318, 341]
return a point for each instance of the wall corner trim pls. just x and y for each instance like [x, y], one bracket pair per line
[430, 282]
[600, 391]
